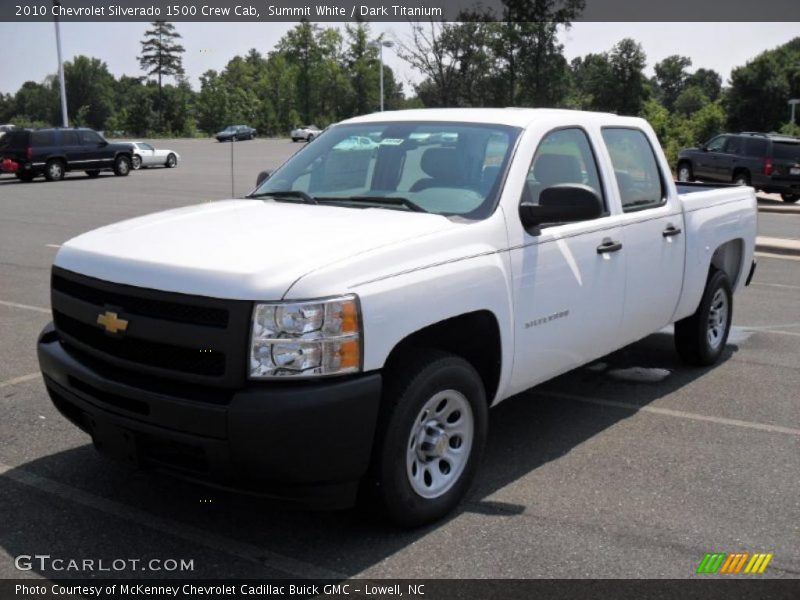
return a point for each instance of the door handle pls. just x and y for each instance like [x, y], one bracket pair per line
[609, 246]
[671, 230]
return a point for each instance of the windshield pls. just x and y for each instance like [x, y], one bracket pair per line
[442, 168]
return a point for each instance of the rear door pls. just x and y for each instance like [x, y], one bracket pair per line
[786, 165]
[72, 148]
[652, 224]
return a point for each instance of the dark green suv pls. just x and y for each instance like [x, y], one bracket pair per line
[767, 161]
[52, 152]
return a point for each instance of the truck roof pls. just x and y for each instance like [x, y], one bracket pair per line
[516, 117]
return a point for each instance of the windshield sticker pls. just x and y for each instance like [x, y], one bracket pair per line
[392, 142]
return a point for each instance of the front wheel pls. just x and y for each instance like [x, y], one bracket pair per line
[741, 178]
[700, 339]
[685, 172]
[171, 161]
[54, 170]
[310, 138]
[431, 437]
[122, 166]
[790, 197]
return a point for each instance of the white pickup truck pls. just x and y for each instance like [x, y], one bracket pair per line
[346, 327]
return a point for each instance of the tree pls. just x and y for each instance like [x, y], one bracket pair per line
[627, 61]
[759, 91]
[591, 79]
[161, 54]
[690, 100]
[671, 76]
[90, 91]
[707, 80]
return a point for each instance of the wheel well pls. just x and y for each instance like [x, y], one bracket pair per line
[475, 337]
[685, 161]
[728, 258]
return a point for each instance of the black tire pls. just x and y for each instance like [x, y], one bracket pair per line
[122, 165]
[692, 337]
[25, 176]
[790, 197]
[54, 170]
[172, 161]
[407, 390]
[295, 140]
[741, 178]
[310, 137]
[93, 173]
[136, 162]
[685, 172]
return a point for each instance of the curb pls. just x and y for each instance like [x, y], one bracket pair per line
[778, 246]
[773, 208]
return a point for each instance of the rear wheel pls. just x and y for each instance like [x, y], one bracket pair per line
[310, 137]
[700, 339]
[93, 173]
[431, 436]
[685, 172]
[171, 161]
[136, 162]
[122, 166]
[741, 178]
[54, 170]
[790, 197]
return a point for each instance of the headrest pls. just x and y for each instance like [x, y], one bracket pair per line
[552, 169]
[441, 163]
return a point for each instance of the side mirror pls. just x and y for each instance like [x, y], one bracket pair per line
[563, 203]
[262, 177]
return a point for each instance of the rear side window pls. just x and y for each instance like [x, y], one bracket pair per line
[69, 138]
[563, 156]
[635, 168]
[14, 139]
[755, 147]
[786, 151]
[90, 138]
[43, 138]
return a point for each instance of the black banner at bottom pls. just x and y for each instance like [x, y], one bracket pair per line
[386, 589]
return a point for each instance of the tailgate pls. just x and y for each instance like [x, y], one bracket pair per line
[786, 160]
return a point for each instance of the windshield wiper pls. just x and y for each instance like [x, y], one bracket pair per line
[302, 196]
[388, 200]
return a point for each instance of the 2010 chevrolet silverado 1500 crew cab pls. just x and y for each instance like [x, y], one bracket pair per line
[349, 324]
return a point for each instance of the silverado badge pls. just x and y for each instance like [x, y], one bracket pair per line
[111, 322]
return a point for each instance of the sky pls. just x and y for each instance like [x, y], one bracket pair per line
[718, 46]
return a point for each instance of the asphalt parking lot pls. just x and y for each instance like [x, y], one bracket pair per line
[633, 467]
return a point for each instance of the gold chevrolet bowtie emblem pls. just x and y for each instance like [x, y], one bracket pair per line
[112, 322]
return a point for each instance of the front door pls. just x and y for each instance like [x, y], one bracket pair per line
[569, 279]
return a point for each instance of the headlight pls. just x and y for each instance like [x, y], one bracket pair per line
[302, 339]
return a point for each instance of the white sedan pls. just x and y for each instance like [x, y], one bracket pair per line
[145, 155]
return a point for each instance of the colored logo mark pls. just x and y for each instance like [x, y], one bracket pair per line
[732, 563]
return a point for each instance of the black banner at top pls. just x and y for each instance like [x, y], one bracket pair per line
[399, 10]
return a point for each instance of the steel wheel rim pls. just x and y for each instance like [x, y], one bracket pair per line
[439, 444]
[55, 170]
[717, 319]
[171, 161]
[137, 162]
[123, 166]
[683, 174]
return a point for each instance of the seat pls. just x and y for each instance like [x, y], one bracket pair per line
[443, 168]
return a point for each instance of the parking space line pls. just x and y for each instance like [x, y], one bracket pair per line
[25, 307]
[20, 379]
[53, 245]
[673, 413]
[778, 285]
[194, 535]
[781, 256]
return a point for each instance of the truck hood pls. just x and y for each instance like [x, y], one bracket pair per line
[237, 249]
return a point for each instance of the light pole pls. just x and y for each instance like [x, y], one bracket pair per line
[793, 102]
[381, 44]
[64, 117]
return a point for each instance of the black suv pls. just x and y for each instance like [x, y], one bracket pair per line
[52, 152]
[769, 162]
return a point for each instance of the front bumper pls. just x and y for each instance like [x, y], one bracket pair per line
[304, 442]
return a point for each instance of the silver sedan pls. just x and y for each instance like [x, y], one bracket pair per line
[146, 155]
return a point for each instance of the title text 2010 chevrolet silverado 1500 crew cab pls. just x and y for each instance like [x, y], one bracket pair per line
[349, 324]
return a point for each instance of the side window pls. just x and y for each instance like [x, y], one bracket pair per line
[716, 144]
[756, 147]
[563, 156]
[41, 139]
[146, 147]
[90, 138]
[69, 138]
[635, 168]
[734, 145]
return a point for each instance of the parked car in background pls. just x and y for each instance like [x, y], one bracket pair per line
[235, 133]
[6, 128]
[146, 155]
[52, 152]
[305, 132]
[767, 161]
[356, 142]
